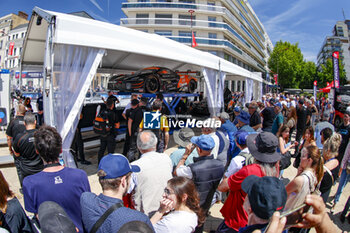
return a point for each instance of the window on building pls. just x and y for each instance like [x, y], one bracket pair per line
[186, 20]
[13, 36]
[185, 33]
[17, 36]
[15, 52]
[233, 85]
[22, 34]
[164, 0]
[163, 32]
[213, 52]
[163, 19]
[0, 44]
[238, 85]
[211, 18]
[142, 18]
[243, 85]
[212, 35]
[142, 0]
[226, 84]
[211, 3]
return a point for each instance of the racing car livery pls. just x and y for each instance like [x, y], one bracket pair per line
[152, 80]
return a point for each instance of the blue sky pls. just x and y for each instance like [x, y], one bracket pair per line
[307, 22]
[304, 21]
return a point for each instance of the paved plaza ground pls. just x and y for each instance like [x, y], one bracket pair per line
[215, 217]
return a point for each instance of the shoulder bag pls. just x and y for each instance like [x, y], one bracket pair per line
[105, 216]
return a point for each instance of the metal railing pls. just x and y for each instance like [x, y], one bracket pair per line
[177, 5]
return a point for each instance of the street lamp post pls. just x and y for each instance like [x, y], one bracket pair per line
[191, 12]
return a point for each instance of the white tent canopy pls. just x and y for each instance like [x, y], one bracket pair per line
[71, 48]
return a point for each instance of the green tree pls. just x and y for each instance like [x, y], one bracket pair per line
[307, 75]
[326, 74]
[286, 60]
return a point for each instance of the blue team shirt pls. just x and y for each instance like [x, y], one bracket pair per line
[63, 187]
[93, 207]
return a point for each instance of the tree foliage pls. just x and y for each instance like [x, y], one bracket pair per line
[286, 60]
[307, 75]
[326, 73]
[293, 71]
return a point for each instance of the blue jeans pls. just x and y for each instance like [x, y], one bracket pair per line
[344, 178]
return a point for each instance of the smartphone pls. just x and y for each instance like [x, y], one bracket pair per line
[295, 215]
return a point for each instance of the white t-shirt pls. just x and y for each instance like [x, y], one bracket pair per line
[177, 222]
[236, 163]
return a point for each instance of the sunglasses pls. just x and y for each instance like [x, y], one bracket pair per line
[167, 192]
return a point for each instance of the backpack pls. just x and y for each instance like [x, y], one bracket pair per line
[249, 159]
[100, 123]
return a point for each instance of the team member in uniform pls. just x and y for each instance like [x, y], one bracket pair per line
[40, 107]
[24, 149]
[16, 127]
[108, 141]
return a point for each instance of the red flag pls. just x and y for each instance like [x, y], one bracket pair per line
[275, 76]
[194, 43]
[11, 46]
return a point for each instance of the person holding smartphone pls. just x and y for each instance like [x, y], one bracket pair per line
[265, 196]
[319, 218]
[310, 173]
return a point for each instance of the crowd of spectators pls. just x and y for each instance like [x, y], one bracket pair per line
[145, 190]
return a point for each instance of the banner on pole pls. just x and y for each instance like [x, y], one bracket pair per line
[315, 89]
[275, 76]
[11, 46]
[336, 69]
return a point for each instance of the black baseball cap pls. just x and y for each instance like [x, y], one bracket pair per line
[263, 147]
[53, 218]
[266, 195]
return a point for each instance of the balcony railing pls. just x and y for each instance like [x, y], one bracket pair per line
[218, 42]
[177, 5]
[181, 22]
[239, 12]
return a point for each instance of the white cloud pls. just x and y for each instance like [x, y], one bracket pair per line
[96, 5]
[289, 14]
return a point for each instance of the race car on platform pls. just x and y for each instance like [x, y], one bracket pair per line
[154, 79]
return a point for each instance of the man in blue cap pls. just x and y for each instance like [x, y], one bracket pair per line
[114, 172]
[243, 122]
[266, 195]
[206, 172]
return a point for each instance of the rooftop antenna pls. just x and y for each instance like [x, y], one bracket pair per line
[343, 14]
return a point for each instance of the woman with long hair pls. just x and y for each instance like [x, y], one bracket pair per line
[310, 173]
[28, 105]
[12, 216]
[308, 140]
[179, 210]
[292, 119]
[330, 152]
[283, 140]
